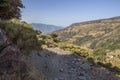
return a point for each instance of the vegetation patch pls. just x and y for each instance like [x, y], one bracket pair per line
[79, 41]
[21, 34]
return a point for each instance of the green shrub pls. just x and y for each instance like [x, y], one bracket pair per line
[91, 60]
[73, 48]
[43, 36]
[117, 74]
[99, 54]
[56, 40]
[41, 42]
[21, 34]
[53, 35]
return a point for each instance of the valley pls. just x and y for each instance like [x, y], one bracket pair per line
[48, 57]
[88, 48]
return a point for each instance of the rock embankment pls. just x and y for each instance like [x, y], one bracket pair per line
[11, 68]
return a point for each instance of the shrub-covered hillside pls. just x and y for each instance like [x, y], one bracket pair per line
[21, 34]
[92, 34]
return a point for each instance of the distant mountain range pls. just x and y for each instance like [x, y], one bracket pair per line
[45, 28]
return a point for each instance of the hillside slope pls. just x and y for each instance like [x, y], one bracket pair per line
[93, 34]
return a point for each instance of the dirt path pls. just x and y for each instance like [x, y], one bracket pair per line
[58, 64]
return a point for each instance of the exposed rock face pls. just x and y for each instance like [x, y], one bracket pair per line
[3, 39]
[11, 68]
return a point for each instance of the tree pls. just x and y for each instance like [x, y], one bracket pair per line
[10, 9]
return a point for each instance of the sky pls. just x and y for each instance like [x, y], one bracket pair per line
[66, 12]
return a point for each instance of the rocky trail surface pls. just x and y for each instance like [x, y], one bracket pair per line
[58, 64]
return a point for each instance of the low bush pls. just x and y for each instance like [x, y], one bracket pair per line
[21, 34]
[91, 60]
[73, 48]
[99, 54]
[54, 35]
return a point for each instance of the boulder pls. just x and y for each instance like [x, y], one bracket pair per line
[85, 66]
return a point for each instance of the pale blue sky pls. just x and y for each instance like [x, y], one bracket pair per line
[66, 12]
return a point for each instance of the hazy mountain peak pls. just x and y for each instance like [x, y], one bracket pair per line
[45, 28]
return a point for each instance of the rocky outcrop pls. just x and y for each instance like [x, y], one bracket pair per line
[4, 41]
[11, 68]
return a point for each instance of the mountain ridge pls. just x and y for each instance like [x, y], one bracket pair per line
[45, 28]
[99, 20]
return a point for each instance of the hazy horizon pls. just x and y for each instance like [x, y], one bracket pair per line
[66, 12]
